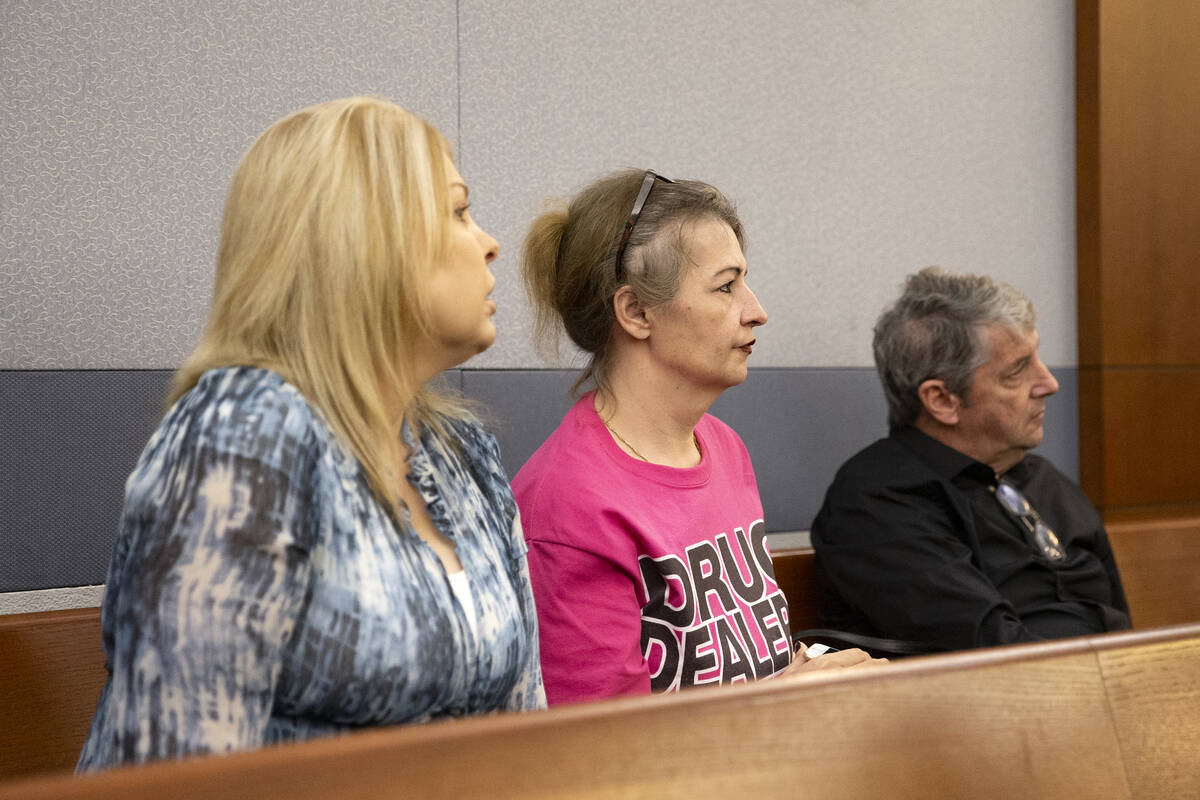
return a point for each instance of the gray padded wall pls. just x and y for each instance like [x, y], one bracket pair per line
[798, 424]
[72, 436]
[70, 439]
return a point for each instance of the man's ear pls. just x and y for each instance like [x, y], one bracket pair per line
[630, 313]
[940, 403]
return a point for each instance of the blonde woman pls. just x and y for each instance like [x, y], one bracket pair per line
[312, 539]
[647, 543]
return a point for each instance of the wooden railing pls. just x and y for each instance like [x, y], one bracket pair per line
[52, 666]
[1115, 716]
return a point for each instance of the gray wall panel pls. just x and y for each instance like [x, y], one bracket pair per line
[799, 426]
[522, 407]
[69, 441]
[862, 140]
[70, 438]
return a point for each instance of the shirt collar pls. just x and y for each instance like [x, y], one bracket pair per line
[949, 463]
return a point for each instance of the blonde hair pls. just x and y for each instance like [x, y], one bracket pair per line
[568, 260]
[334, 220]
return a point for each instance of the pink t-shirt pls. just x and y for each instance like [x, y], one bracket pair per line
[647, 577]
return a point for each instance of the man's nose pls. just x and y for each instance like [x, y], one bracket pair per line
[1046, 384]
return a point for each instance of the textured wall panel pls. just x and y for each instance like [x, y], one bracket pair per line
[863, 141]
[120, 127]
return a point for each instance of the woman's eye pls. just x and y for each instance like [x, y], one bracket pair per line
[727, 288]
[461, 211]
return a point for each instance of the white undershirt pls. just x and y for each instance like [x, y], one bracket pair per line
[462, 590]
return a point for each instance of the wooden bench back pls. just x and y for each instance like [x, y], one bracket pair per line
[1160, 568]
[51, 673]
[1106, 717]
[795, 573]
[1153, 694]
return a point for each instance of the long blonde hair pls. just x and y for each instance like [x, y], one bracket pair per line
[335, 218]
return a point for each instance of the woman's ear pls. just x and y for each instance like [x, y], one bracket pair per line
[939, 402]
[630, 313]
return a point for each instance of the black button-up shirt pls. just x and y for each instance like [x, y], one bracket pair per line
[912, 544]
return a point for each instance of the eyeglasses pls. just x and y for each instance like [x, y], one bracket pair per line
[643, 193]
[1044, 539]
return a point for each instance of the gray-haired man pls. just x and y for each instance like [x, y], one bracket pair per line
[948, 532]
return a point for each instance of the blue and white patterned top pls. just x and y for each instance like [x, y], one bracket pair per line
[258, 593]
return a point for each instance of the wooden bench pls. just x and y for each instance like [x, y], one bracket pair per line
[1160, 568]
[51, 673]
[52, 665]
[1114, 716]
[795, 573]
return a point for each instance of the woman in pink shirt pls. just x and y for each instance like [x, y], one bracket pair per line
[648, 551]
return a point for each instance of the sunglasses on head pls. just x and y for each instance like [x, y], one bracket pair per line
[638, 203]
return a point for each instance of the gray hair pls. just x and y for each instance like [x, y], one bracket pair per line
[937, 329]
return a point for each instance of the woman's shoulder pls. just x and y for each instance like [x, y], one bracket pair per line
[571, 450]
[459, 437]
[466, 428]
[247, 410]
[243, 386]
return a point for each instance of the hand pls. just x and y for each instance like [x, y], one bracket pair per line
[839, 659]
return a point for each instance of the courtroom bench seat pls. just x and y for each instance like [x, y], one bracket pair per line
[52, 670]
[795, 573]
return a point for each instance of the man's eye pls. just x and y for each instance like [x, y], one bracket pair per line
[726, 288]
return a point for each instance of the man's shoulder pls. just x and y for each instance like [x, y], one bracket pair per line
[884, 492]
[882, 462]
[888, 481]
[1035, 464]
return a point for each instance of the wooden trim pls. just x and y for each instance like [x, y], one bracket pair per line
[1087, 188]
[796, 574]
